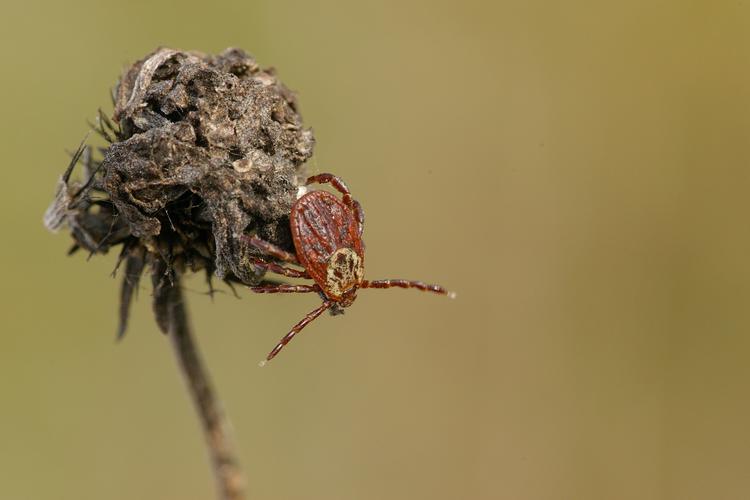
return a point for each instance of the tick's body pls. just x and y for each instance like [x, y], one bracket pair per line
[327, 234]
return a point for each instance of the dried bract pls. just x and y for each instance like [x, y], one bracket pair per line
[203, 151]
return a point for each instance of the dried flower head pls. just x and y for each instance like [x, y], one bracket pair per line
[202, 150]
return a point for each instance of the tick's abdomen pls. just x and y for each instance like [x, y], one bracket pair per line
[326, 237]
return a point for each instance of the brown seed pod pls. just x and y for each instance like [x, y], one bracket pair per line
[202, 149]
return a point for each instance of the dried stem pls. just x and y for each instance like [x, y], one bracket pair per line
[216, 426]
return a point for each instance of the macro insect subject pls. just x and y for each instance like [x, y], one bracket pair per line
[327, 236]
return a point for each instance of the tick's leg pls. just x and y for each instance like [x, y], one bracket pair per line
[271, 249]
[425, 287]
[295, 330]
[284, 288]
[360, 214]
[275, 268]
[340, 186]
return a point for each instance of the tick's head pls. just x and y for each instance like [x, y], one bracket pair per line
[344, 274]
[346, 300]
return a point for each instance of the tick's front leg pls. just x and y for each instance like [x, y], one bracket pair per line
[295, 330]
[419, 285]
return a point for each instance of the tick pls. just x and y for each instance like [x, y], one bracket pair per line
[327, 235]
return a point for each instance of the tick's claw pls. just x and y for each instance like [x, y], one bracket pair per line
[263, 363]
[451, 295]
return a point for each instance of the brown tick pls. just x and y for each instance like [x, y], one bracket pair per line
[327, 234]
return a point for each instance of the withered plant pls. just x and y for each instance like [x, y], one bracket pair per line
[202, 151]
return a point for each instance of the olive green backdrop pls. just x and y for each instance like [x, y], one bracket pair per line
[577, 171]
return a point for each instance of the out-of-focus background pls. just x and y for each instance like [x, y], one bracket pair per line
[577, 171]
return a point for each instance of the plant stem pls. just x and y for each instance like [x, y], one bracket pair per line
[229, 477]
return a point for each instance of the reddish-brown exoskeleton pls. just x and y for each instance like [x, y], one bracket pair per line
[327, 234]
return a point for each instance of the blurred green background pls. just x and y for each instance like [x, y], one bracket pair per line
[577, 171]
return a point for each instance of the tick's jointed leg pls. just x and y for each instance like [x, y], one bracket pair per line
[425, 287]
[271, 249]
[360, 214]
[284, 288]
[275, 268]
[295, 330]
[340, 186]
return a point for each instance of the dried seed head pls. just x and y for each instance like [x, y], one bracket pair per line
[203, 149]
